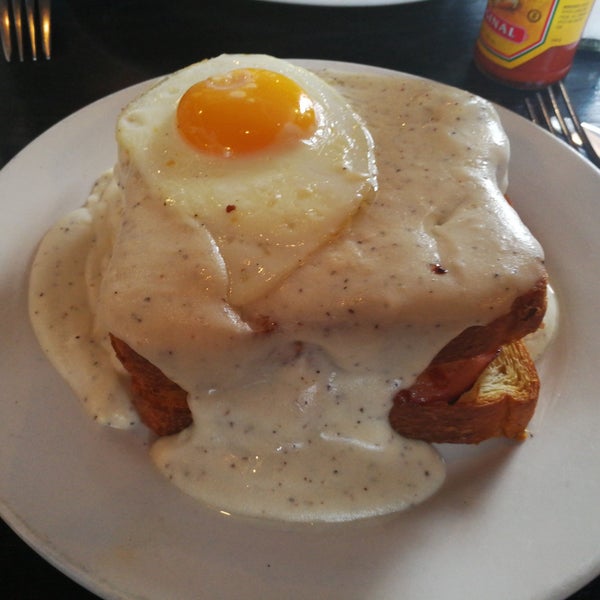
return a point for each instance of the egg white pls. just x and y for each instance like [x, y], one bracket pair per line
[287, 202]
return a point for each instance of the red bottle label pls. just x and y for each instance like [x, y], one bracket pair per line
[515, 31]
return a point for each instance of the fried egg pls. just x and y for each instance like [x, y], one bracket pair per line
[266, 156]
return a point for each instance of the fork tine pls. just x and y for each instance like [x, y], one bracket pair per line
[44, 10]
[577, 125]
[543, 107]
[558, 113]
[16, 9]
[5, 30]
[533, 115]
[30, 10]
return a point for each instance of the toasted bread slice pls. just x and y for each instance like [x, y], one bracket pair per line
[160, 403]
[499, 404]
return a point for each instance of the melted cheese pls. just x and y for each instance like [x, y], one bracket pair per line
[292, 422]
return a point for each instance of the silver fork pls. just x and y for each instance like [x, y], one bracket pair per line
[547, 109]
[11, 19]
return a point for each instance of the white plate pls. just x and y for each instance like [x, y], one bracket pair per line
[513, 521]
[342, 3]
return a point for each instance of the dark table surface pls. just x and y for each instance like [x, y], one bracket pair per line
[100, 47]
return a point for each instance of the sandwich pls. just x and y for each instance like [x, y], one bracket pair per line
[308, 277]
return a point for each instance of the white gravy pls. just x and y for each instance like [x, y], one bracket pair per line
[293, 424]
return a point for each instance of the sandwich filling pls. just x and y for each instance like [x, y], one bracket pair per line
[290, 364]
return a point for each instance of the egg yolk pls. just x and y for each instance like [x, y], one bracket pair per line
[244, 111]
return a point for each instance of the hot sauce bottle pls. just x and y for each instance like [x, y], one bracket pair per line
[530, 43]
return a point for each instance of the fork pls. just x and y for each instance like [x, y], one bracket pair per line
[11, 19]
[547, 109]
